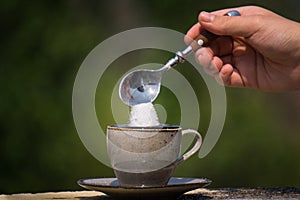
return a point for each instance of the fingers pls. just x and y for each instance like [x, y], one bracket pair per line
[219, 24]
[232, 26]
[210, 63]
[230, 76]
[219, 67]
[192, 33]
[216, 54]
[245, 11]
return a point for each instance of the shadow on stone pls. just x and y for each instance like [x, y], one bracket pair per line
[102, 197]
[194, 197]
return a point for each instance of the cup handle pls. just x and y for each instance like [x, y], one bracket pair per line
[195, 148]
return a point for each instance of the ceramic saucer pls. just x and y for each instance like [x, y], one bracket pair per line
[176, 187]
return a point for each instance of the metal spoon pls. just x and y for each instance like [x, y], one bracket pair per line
[143, 86]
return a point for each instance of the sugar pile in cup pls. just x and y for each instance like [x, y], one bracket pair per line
[143, 115]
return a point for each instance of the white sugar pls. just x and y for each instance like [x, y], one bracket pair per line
[143, 115]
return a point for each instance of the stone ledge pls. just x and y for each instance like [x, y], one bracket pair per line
[86, 195]
[199, 194]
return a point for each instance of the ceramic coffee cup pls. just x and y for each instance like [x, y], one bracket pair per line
[147, 156]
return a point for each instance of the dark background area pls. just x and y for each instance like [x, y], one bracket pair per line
[43, 44]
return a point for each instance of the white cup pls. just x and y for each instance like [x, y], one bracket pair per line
[147, 156]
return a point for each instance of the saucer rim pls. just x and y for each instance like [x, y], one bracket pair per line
[204, 181]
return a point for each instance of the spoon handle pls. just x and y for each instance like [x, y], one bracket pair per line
[206, 37]
[201, 40]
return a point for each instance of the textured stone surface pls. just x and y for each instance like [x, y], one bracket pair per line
[199, 194]
[243, 193]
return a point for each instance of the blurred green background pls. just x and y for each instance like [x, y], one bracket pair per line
[43, 44]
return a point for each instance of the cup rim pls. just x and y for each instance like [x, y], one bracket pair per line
[161, 127]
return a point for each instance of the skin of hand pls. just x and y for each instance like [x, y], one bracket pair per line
[258, 49]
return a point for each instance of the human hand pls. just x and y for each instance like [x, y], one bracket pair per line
[258, 49]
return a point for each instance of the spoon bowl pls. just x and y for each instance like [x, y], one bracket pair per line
[140, 86]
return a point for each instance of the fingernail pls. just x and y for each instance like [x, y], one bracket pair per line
[199, 58]
[206, 17]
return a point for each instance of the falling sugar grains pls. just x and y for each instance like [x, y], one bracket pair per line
[143, 115]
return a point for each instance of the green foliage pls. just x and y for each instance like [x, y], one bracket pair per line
[42, 46]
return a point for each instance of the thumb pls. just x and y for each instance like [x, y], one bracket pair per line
[243, 26]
